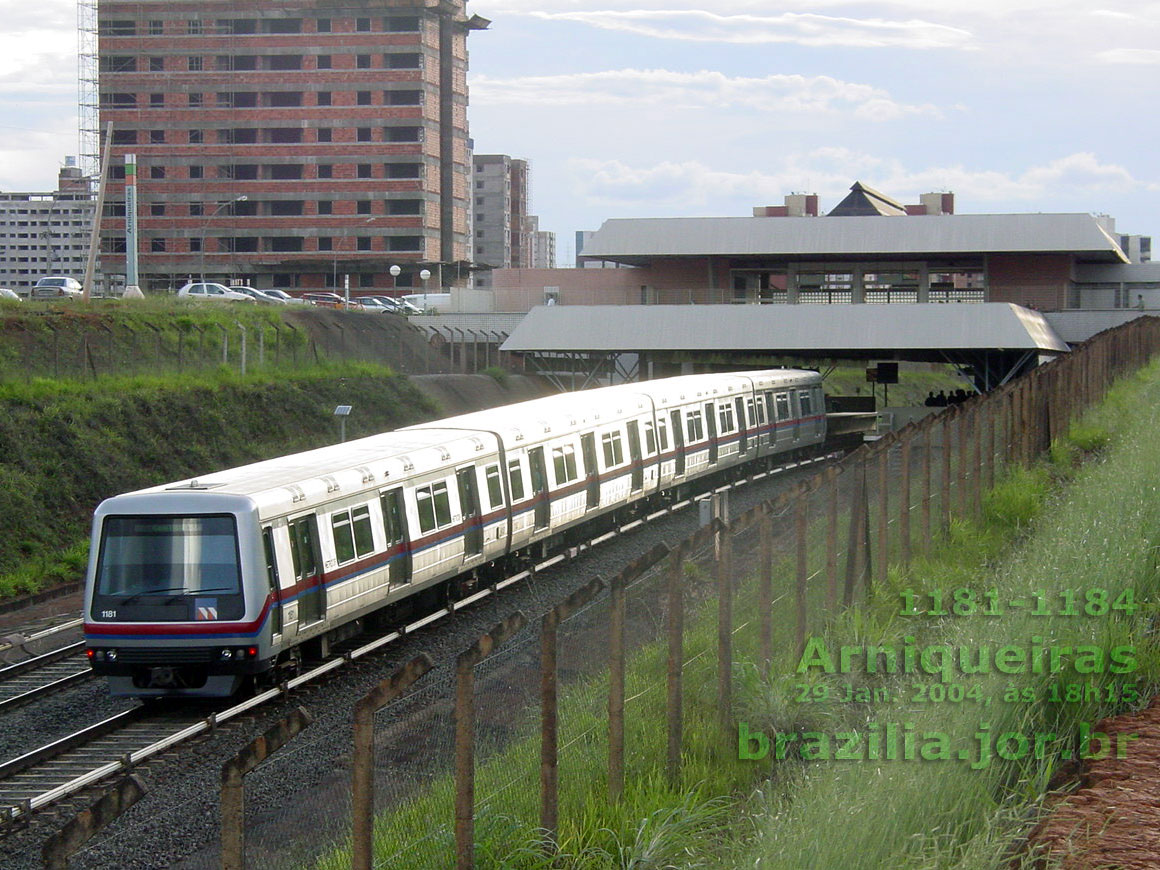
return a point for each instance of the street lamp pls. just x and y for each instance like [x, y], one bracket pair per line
[423, 276]
[395, 273]
[205, 227]
[346, 278]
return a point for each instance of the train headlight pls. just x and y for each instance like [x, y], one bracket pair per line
[226, 654]
[110, 655]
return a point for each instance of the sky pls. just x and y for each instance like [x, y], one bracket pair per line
[666, 108]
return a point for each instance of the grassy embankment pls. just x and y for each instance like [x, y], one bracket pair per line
[1098, 534]
[1096, 546]
[65, 444]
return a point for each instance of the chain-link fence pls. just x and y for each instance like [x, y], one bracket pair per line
[545, 720]
[80, 346]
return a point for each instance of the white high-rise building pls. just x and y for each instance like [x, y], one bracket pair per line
[47, 233]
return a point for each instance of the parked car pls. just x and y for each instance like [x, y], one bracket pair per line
[260, 296]
[7, 295]
[57, 287]
[286, 297]
[407, 307]
[377, 304]
[429, 303]
[208, 291]
[324, 299]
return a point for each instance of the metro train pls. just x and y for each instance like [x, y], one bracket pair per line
[196, 587]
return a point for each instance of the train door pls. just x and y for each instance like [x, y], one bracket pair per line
[711, 428]
[742, 428]
[796, 411]
[591, 472]
[678, 443]
[785, 421]
[272, 580]
[634, 456]
[771, 418]
[540, 487]
[398, 542]
[307, 569]
[469, 507]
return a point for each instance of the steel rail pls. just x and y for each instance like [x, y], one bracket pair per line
[133, 758]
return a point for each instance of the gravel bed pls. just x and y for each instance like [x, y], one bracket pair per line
[177, 823]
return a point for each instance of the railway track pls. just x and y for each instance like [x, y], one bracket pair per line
[116, 745]
[45, 674]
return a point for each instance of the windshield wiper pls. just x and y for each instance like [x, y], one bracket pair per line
[145, 592]
[174, 592]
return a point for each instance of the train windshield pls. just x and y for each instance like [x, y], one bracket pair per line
[168, 555]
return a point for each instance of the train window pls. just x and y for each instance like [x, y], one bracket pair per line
[494, 485]
[364, 538]
[804, 402]
[302, 548]
[564, 463]
[147, 555]
[343, 536]
[613, 449]
[650, 437]
[695, 427]
[725, 415]
[782, 401]
[663, 433]
[434, 506]
[516, 480]
[392, 517]
[272, 578]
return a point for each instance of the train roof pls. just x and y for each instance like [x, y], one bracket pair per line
[277, 485]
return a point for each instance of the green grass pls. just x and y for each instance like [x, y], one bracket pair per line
[69, 444]
[1039, 530]
[1100, 533]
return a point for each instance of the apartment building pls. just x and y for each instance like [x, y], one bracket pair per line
[47, 233]
[289, 144]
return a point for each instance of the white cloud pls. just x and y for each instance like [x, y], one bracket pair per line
[1137, 56]
[690, 187]
[706, 89]
[803, 29]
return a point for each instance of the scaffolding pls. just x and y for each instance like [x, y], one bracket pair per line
[88, 90]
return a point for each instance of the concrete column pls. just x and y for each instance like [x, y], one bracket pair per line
[923, 282]
[858, 284]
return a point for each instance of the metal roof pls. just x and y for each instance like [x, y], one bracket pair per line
[639, 240]
[829, 329]
[1132, 273]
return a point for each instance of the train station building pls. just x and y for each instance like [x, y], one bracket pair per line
[869, 248]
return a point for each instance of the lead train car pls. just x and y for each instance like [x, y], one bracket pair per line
[196, 585]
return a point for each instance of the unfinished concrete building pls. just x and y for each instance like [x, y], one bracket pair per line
[289, 144]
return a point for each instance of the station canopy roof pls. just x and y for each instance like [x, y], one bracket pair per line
[639, 241]
[914, 332]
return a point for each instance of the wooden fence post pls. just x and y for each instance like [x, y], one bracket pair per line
[616, 689]
[801, 529]
[549, 720]
[855, 555]
[465, 734]
[57, 849]
[904, 498]
[765, 591]
[676, 631]
[233, 779]
[927, 448]
[831, 541]
[945, 500]
[725, 628]
[363, 761]
[883, 564]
